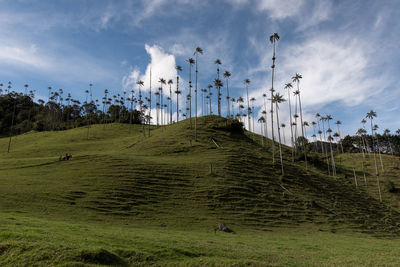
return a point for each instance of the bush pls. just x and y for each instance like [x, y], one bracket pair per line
[232, 126]
[390, 186]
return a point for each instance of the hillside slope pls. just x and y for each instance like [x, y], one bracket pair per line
[165, 180]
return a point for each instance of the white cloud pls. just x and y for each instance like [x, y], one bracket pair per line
[333, 69]
[280, 9]
[22, 56]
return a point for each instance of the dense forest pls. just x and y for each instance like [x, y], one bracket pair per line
[19, 113]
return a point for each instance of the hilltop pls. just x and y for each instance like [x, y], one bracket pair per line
[122, 176]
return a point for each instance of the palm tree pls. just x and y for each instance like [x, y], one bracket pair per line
[329, 118]
[177, 92]
[149, 117]
[233, 100]
[313, 123]
[371, 115]
[227, 74]
[360, 133]
[191, 62]
[323, 148]
[296, 79]
[197, 52]
[376, 127]
[162, 82]
[252, 100]
[239, 101]
[288, 86]
[262, 121]
[264, 112]
[273, 39]
[26, 88]
[218, 84]
[217, 62]
[247, 82]
[277, 99]
[283, 126]
[210, 95]
[365, 140]
[340, 141]
[170, 82]
[203, 110]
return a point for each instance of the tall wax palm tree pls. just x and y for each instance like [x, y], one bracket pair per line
[177, 92]
[218, 63]
[140, 84]
[376, 127]
[191, 62]
[252, 100]
[322, 119]
[360, 133]
[340, 141]
[289, 86]
[365, 140]
[227, 75]
[233, 100]
[329, 118]
[296, 79]
[247, 82]
[262, 121]
[170, 82]
[371, 115]
[197, 52]
[150, 117]
[218, 84]
[210, 95]
[203, 105]
[283, 126]
[264, 112]
[313, 123]
[277, 99]
[273, 39]
[239, 101]
[305, 125]
[162, 82]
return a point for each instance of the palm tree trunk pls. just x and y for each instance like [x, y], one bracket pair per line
[302, 126]
[262, 133]
[177, 98]
[272, 107]
[379, 152]
[279, 136]
[227, 99]
[376, 164]
[248, 108]
[195, 103]
[291, 124]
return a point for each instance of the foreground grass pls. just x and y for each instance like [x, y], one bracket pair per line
[126, 199]
[27, 240]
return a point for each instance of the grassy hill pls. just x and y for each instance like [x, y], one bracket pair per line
[126, 198]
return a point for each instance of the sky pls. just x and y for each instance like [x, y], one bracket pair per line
[346, 51]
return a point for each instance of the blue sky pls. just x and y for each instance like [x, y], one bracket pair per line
[347, 51]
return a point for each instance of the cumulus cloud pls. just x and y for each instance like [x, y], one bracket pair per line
[333, 69]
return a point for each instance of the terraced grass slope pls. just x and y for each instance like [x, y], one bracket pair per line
[165, 179]
[121, 178]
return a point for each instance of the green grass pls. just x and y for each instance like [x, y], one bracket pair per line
[127, 199]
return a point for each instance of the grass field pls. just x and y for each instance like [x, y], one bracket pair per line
[127, 199]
